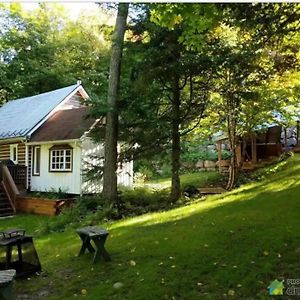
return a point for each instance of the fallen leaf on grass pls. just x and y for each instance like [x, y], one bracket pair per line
[132, 263]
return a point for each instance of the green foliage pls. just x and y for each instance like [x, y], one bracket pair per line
[51, 194]
[195, 150]
[43, 49]
[182, 15]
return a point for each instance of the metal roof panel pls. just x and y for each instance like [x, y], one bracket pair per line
[19, 116]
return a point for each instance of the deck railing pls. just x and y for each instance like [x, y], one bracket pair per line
[18, 174]
[9, 186]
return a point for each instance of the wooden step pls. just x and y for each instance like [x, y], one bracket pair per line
[211, 190]
[5, 206]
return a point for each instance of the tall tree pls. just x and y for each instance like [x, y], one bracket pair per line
[167, 94]
[111, 131]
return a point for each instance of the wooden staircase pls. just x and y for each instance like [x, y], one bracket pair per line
[8, 192]
[6, 208]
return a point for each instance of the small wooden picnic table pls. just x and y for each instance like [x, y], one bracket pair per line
[98, 236]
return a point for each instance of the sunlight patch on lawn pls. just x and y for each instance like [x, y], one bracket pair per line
[187, 211]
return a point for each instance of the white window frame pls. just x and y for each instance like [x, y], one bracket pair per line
[36, 172]
[12, 153]
[58, 159]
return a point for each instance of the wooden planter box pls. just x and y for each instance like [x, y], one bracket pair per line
[41, 206]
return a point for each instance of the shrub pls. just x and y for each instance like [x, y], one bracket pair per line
[88, 210]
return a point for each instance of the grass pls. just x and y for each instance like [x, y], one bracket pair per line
[228, 247]
[199, 179]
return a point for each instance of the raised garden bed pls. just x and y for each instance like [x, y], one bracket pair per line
[42, 206]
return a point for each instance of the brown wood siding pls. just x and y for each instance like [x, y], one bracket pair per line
[5, 152]
[74, 102]
[41, 206]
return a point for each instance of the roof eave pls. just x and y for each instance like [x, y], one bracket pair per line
[53, 142]
[13, 140]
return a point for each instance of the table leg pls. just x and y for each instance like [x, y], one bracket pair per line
[86, 244]
[8, 256]
[100, 250]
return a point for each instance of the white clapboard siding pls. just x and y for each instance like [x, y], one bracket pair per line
[69, 182]
[91, 156]
[125, 174]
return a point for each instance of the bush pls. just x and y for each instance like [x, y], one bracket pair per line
[90, 210]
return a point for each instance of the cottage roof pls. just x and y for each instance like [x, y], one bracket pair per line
[64, 125]
[19, 117]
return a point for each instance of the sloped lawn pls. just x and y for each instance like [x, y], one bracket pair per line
[228, 247]
[197, 179]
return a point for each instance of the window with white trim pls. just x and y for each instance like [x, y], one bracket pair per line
[36, 160]
[60, 159]
[14, 153]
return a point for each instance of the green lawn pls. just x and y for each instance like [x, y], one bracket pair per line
[228, 247]
[199, 179]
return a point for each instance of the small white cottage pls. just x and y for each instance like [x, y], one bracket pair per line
[45, 136]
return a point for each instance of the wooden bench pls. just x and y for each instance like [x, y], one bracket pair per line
[6, 284]
[98, 236]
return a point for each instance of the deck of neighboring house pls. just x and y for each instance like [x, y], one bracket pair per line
[255, 150]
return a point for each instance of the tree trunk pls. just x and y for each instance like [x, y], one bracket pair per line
[111, 131]
[175, 187]
[232, 137]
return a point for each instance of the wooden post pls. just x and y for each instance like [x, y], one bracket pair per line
[219, 146]
[253, 148]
